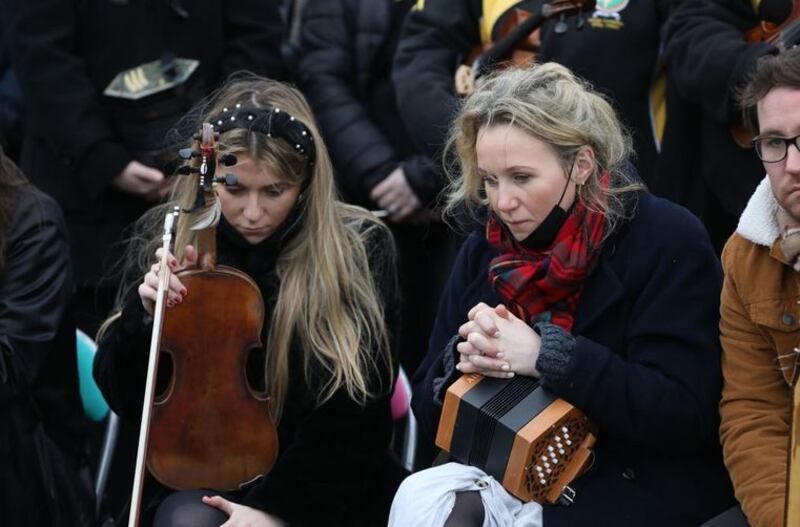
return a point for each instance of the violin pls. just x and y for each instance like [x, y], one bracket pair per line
[209, 428]
[518, 41]
[783, 36]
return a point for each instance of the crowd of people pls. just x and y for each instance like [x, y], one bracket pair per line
[605, 203]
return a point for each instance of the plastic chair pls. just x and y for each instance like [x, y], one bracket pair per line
[96, 409]
[94, 405]
[401, 412]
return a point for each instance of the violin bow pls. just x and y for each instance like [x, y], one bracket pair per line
[152, 367]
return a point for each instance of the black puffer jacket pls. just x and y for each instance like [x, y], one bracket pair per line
[347, 50]
[709, 60]
[617, 51]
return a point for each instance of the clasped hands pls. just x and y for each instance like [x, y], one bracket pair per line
[497, 343]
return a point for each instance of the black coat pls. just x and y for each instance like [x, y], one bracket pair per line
[334, 466]
[65, 53]
[38, 366]
[619, 61]
[645, 368]
[708, 62]
[345, 66]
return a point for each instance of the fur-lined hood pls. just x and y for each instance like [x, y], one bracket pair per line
[758, 223]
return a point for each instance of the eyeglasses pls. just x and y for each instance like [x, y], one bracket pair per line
[773, 149]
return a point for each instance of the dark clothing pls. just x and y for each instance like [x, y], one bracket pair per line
[347, 51]
[11, 109]
[334, 466]
[187, 508]
[709, 60]
[38, 365]
[425, 254]
[66, 52]
[644, 367]
[619, 57]
[708, 56]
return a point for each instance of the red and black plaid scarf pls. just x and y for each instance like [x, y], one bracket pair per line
[542, 282]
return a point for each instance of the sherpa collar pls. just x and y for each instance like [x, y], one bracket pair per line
[758, 223]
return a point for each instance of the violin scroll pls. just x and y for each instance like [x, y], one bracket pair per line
[518, 41]
[785, 35]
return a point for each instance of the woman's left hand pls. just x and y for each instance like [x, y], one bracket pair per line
[496, 338]
[241, 515]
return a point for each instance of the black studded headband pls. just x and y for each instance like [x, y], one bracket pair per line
[272, 122]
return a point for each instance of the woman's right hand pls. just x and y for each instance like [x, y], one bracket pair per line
[148, 289]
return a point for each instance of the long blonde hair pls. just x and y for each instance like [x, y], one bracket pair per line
[551, 104]
[327, 299]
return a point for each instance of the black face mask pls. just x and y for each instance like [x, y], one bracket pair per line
[546, 232]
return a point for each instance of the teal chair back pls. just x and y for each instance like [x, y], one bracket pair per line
[94, 405]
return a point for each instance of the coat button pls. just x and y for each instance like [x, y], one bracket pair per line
[788, 319]
[629, 474]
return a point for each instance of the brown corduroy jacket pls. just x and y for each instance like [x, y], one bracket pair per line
[760, 328]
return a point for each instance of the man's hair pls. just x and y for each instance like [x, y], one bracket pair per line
[771, 71]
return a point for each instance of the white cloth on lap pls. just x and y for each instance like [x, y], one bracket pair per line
[425, 499]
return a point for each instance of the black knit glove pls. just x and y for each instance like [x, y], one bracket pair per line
[449, 371]
[554, 353]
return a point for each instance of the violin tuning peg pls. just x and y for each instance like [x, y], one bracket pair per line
[228, 160]
[185, 170]
[186, 153]
[227, 180]
[561, 25]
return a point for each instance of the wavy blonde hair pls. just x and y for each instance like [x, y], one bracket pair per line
[327, 297]
[553, 105]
